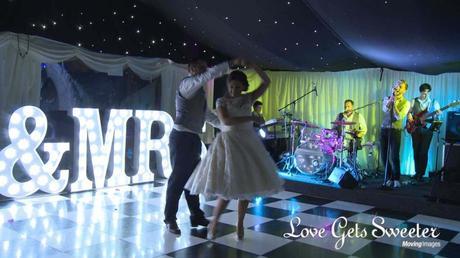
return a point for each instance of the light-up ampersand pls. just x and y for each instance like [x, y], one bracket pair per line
[23, 149]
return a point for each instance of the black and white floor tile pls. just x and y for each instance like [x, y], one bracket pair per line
[127, 222]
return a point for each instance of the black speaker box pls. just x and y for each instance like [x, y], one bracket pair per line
[453, 126]
[451, 160]
[447, 191]
[343, 178]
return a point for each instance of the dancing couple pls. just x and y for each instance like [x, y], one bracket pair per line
[237, 166]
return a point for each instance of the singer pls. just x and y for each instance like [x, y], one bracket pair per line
[395, 108]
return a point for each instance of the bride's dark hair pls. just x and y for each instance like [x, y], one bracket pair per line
[238, 75]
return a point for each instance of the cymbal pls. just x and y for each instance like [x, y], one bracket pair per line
[313, 126]
[298, 122]
[304, 123]
[342, 123]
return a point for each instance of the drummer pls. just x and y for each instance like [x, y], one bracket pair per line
[355, 126]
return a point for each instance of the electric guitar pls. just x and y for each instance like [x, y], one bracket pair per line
[421, 117]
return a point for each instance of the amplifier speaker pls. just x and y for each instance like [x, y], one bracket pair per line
[451, 160]
[453, 126]
[343, 178]
[446, 191]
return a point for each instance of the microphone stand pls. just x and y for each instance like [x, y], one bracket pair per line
[289, 160]
[436, 128]
[385, 178]
[370, 104]
[296, 100]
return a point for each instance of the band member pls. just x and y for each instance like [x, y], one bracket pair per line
[257, 114]
[395, 108]
[184, 142]
[421, 137]
[353, 133]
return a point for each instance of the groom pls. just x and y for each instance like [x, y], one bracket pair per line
[184, 142]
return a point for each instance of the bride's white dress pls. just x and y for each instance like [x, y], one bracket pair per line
[237, 165]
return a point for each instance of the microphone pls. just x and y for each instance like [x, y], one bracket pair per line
[316, 90]
[391, 98]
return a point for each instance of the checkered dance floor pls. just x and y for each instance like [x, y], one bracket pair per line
[127, 222]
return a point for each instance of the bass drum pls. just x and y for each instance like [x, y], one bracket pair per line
[311, 159]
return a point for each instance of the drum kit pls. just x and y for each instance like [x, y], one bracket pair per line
[316, 151]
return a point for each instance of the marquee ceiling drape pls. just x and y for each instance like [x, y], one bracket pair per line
[295, 35]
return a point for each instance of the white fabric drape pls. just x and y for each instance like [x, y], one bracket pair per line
[20, 74]
[20, 71]
[363, 86]
[20, 78]
[445, 89]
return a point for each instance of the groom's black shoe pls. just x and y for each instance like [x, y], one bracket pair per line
[172, 227]
[199, 221]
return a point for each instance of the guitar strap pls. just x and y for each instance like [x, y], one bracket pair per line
[418, 107]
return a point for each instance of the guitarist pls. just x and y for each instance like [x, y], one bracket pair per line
[421, 137]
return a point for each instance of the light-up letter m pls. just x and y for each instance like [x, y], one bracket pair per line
[90, 133]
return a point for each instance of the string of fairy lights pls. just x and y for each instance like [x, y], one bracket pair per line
[137, 28]
[127, 30]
